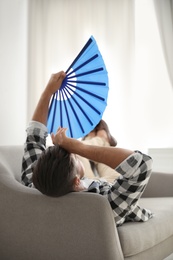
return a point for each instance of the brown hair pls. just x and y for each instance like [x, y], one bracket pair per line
[54, 172]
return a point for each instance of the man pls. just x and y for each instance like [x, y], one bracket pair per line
[57, 170]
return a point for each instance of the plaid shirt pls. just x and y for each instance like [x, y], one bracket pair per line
[123, 195]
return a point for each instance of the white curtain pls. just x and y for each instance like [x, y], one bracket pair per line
[164, 13]
[58, 29]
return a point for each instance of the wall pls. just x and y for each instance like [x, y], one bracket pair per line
[140, 118]
[13, 70]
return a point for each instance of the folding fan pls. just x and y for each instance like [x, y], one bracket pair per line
[82, 98]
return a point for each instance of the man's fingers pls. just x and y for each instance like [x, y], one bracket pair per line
[61, 130]
[59, 76]
[59, 136]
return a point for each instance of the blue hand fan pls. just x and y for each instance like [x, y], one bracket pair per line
[82, 98]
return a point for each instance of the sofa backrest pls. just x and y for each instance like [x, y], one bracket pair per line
[11, 160]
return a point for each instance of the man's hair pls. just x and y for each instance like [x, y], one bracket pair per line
[54, 172]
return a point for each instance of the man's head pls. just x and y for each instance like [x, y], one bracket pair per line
[57, 172]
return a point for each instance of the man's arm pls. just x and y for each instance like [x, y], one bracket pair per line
[110, 156]
[41, 111]
[37, 130]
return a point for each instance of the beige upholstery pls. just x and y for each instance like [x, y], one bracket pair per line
[78, 225]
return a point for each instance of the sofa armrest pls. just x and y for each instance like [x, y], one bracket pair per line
[160, 185]
[79, 225]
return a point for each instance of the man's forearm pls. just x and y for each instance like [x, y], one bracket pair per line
[107, 155]
[110, 156]
[41, 111]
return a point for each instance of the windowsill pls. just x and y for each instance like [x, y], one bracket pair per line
[162, 159]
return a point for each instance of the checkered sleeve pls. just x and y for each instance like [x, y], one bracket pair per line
[124, 194]
[34, 145]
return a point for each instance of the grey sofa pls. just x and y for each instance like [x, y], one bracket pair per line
[78, 226]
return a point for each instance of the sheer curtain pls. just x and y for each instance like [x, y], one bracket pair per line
[58, 29]
[164, 12]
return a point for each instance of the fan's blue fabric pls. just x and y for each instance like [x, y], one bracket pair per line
[82, 98]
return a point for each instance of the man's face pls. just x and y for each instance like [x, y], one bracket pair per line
[80, 171]
[79, 166]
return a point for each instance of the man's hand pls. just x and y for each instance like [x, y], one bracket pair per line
[70, 144]
[55, 82]
[60, 137]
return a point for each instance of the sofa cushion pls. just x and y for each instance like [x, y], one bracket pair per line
[138, 237]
